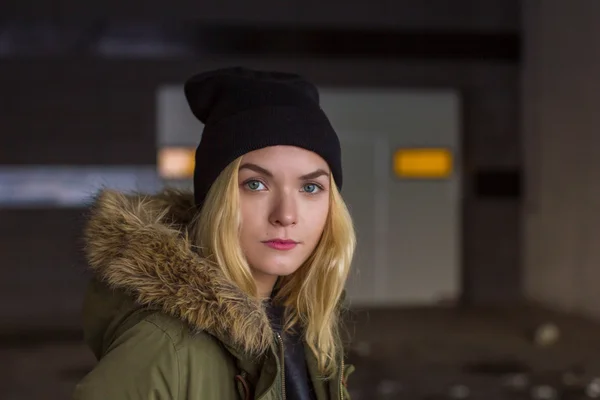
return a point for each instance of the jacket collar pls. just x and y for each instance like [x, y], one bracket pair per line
[140, 244]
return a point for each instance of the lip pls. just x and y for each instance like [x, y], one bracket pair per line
[281, 244]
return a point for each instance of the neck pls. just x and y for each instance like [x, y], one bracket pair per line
[264, 284]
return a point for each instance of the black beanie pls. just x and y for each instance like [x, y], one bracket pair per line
[245, 110]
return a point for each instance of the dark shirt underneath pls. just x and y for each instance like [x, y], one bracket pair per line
[298, 385]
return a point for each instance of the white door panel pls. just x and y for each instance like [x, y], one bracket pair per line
[408, 231]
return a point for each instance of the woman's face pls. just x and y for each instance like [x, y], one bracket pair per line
[284, 200]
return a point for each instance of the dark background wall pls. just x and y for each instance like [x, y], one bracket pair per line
[560, 132]
[79, 110]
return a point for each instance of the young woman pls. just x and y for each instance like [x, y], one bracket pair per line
[234, 291]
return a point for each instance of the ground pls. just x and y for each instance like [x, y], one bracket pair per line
[433, 353]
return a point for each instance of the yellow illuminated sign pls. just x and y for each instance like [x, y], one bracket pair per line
[176, 162]
[423, 163]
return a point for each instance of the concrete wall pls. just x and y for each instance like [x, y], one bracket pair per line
[106, 116]
[76, 110]
[561, 125]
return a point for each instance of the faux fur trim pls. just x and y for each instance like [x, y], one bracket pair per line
[140, 244]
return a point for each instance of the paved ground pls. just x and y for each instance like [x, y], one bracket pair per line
[400, 354]
[479, 354]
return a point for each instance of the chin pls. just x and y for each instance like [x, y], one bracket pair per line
[278, 269]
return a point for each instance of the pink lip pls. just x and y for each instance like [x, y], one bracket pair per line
[281, 244]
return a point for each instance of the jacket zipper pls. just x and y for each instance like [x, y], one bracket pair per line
[342, 380]
[282, 365]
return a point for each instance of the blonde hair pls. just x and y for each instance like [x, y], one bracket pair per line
[312, 295]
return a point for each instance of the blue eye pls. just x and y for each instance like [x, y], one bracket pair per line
[311, 188]
[255, 185]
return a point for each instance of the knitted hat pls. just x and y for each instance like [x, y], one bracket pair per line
[245, 110]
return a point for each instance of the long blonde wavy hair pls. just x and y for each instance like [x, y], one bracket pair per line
[312, 295]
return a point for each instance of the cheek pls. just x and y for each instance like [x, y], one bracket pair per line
[316, 217]
[250, 218]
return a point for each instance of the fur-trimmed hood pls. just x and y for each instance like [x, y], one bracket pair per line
[139, 245]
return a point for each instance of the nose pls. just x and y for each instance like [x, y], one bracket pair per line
[285, 211]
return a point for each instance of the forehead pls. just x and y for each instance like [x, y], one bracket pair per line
[286, 157]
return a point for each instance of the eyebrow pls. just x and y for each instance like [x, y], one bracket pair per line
[256, 168]
[266, 172]
[313, 175]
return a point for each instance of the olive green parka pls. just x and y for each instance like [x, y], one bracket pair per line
[165, 323]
